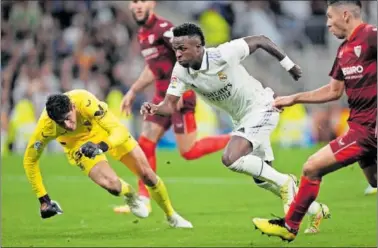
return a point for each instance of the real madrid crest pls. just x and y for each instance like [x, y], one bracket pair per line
[222, 76]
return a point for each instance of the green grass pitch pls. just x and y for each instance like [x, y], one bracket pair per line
[219, 203]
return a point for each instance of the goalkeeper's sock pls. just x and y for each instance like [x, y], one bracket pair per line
[126, 188]
[160, 194]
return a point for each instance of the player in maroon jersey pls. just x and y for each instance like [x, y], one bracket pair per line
[355, 70]
[154, 38]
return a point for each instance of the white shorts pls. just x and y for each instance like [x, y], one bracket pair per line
[257, 127]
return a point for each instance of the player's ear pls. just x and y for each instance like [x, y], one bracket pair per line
[346, 16]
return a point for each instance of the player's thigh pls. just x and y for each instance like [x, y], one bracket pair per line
[153, 127]
[185, 128]
[124, 149]
[77, 159]
[341, 152]
[368, 165]
[137, 162]
[256, 129]
[236, 148]
[264, 151]
[104, 175]
[321, 163]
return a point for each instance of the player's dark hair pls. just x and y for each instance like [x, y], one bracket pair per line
[335, 2]
[189, 29]
[57, 106]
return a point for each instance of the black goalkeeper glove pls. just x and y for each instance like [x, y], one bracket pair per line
[91, 149]
[49, 208]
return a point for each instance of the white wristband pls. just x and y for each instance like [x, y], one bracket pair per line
[287, 63]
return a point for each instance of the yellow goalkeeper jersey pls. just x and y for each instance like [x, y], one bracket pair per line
[94, 122]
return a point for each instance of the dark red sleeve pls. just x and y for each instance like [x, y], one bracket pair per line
[372, 38]
[336, 72]
[166, 32]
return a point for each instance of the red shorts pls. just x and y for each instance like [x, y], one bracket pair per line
[359, 144]
[183, 121]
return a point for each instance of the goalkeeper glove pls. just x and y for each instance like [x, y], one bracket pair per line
[91, 149]
[49, 208]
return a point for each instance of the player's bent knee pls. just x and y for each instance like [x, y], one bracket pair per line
[310, 169]
[112, 185]
[149, 178]
[146, 174]
[228, 159]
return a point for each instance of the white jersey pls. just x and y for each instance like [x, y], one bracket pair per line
[222, 81]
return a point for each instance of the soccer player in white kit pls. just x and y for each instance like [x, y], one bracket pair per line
[217, 76]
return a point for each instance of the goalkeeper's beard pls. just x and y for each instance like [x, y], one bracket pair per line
[144, 20]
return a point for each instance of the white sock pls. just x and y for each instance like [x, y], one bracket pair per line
[271, 187]
[256, 167]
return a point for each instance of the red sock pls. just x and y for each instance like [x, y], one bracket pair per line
[308, 191]
[207, 145]
[148, 148]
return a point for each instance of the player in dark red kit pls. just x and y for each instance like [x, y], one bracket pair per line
[154, 37]
[355, 70]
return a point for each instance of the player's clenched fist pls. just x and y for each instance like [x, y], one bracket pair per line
[148, 109]
[91, 150]
[284, 101]
[296, 72]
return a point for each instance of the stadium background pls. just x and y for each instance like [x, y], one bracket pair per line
[56, 46]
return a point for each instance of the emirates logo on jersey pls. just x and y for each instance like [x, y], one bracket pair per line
[219, 95]
[357, 50]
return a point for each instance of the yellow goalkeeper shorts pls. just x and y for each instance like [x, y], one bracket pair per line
[86, 164]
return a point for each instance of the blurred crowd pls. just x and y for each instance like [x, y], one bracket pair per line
[51, 46]
[285, 22]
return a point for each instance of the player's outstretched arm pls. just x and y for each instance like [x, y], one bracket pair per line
[332, 91]
[32, 154]
[263, 42]
[145, 78]
[165, 108]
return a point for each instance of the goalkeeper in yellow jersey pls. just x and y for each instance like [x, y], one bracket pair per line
[86, 130]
